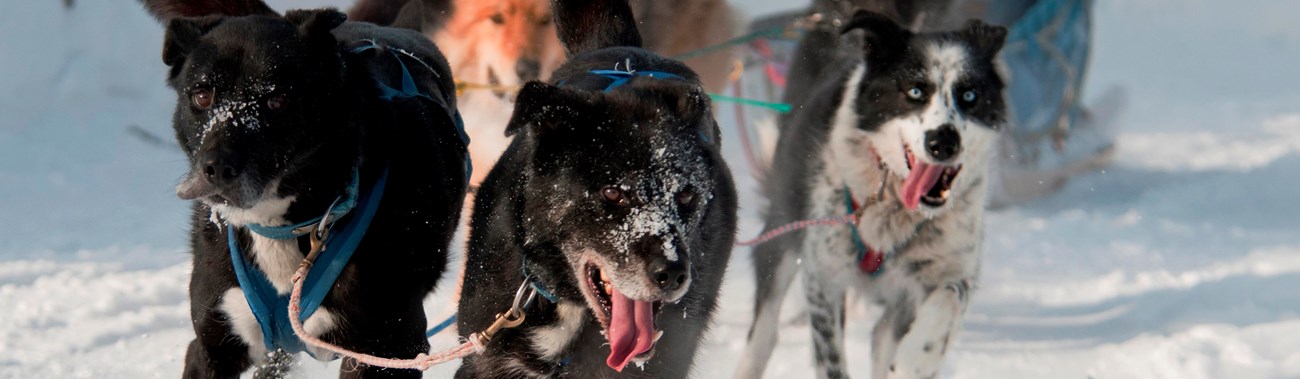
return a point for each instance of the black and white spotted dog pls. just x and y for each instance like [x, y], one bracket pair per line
[899, 128]
[613, 201]
[283, 119]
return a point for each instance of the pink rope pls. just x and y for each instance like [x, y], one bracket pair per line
[801, 224]
[421, 362]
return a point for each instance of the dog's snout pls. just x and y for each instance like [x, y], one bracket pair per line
[943, 143]
[669, 275]
[222, 167]
[528, 69]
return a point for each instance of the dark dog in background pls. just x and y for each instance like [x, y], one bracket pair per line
[615, 201]
[279, 117]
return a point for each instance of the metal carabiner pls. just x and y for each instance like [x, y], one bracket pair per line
[524, 298]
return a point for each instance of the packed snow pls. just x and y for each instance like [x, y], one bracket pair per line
[1182, 260]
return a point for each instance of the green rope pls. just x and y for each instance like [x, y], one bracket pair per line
[779, 107]
[731, 42]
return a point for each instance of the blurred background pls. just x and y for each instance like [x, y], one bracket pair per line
[1181, 259]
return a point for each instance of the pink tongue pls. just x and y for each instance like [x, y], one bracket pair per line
[631, 330]
[919, 181]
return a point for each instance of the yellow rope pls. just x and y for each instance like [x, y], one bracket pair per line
[462, 86]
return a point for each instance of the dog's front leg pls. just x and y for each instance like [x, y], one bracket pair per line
[826, 313]
[214, 352]
[920, 352]
[775, 269]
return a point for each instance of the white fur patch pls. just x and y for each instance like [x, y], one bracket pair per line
[552, 341]
[243, 323]
[245, 326]
[278, 259]
[268, 211]
[321, 321]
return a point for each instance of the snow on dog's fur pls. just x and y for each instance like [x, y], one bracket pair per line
[906, 124]
[614, 200]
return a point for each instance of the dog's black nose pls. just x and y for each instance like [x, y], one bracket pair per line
[669, 275]
[943, 143]
[528, 69]
[221, 167]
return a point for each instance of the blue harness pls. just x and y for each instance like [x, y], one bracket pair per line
[270, 307]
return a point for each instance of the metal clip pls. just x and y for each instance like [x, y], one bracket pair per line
[524, 298]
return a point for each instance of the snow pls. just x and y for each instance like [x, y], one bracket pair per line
[1180, 261]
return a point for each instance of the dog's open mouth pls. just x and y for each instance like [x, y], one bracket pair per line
[629, 324]
[926, 183]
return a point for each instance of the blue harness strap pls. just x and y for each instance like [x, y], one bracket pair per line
[408, 89]
[622, 77]
[270, 307]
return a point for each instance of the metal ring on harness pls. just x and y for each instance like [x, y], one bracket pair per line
[515, 307]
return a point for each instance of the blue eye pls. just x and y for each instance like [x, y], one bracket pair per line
[968, 96]
[915, 93]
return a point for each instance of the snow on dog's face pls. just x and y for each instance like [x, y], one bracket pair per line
[503, 42]
[928, 107]
[256, 99]
[619, 183]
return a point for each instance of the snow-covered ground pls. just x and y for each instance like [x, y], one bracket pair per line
[1180, 261]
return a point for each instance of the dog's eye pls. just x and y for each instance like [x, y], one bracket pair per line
[498, 19]
[968, 96]
[277, 102]
[685, 197]
[613, 194]
[202, 98]
[545, 20]
[915, 93]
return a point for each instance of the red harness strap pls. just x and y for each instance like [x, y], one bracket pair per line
[870, 261]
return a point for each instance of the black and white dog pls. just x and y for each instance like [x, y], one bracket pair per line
[614, 200]
[900, 128]
[286, 119]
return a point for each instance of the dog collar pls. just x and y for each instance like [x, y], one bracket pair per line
[340, 208]
[537, 285]
[270, 308]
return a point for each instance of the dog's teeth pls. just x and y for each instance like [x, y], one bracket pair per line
[657, 335]
[603, 278]
[609, 289]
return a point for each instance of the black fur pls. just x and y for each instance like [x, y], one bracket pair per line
[333, 121]
[543, 202]
[169, 9]
[595, 24]
[418, 15]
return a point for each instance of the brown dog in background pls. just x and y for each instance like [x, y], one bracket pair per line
[494, 46]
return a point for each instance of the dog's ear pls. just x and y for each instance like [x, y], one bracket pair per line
[985, 40]
[165, 10]
[694, 108]
[316, 22]
[182, 34]
[885, 38]
[543, 106]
